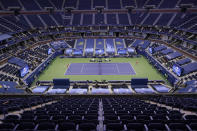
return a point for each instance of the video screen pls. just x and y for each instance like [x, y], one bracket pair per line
[131, 50]
[24, 71]
[49, 51]
[150, 50]
[177, 70]
[68, 51]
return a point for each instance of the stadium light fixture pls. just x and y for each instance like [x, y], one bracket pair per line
[129, 8]
[68, 9]
[184, 7]
[50, 9]
[99, 9]
[16, 10]
[148, 7]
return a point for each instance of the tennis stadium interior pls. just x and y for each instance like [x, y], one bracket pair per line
[105, 65]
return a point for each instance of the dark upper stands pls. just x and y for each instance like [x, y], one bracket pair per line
[87, 19]
[44, 3]
[58, 4]
[99, 19]
[183, 21]
[19, 23]
[85, 5]
[111, 19]
[99, 3]
[30, 5]
[123, 19]
[164, 19]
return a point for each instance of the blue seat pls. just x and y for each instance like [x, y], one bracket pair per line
[135, 126]
[26, 126]
[178, 126]
[115, 126]
[142, 117]
[191, 117]
[46, 126]
[66, 126]
[193, 126]
[87, 126]
[157, 126]
[7, 126]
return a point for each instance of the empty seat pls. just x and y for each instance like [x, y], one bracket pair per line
[122, 112]
[159, 117]
[75, 117]
[54, 113]
[135, 112]
[43, 117]
[28, 113]
[91, 118]
[46, 126]
[68, 112]
[161, 112]
[178, 126]
[191, 117]
[66, 126]
[27, 117]
[193, 126]
[142, 117]
[115, 126]
[87, 126]
[26, 126]
[7, 126]
[111, 119]
[175, 112]
[157, 126]
[109, 112]
[126, 118]
[135, 126]
[41, 112]
[58, 118]
[79, 112]
[11, 119]
[175, 117]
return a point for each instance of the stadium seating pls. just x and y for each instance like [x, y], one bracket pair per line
[87, 19]
[89, 46]
[40, 39]
[163, 32]
[120, 113]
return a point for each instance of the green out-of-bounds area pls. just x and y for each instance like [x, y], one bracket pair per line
[142, 67]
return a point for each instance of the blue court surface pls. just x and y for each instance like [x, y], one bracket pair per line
[100, 69]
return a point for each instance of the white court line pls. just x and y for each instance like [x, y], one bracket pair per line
[117, 68]
[132, 69]
[82, 68]
[68, 69]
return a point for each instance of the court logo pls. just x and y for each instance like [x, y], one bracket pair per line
[80, 43]
[118, 43]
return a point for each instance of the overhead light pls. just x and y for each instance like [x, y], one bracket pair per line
[99, 9]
